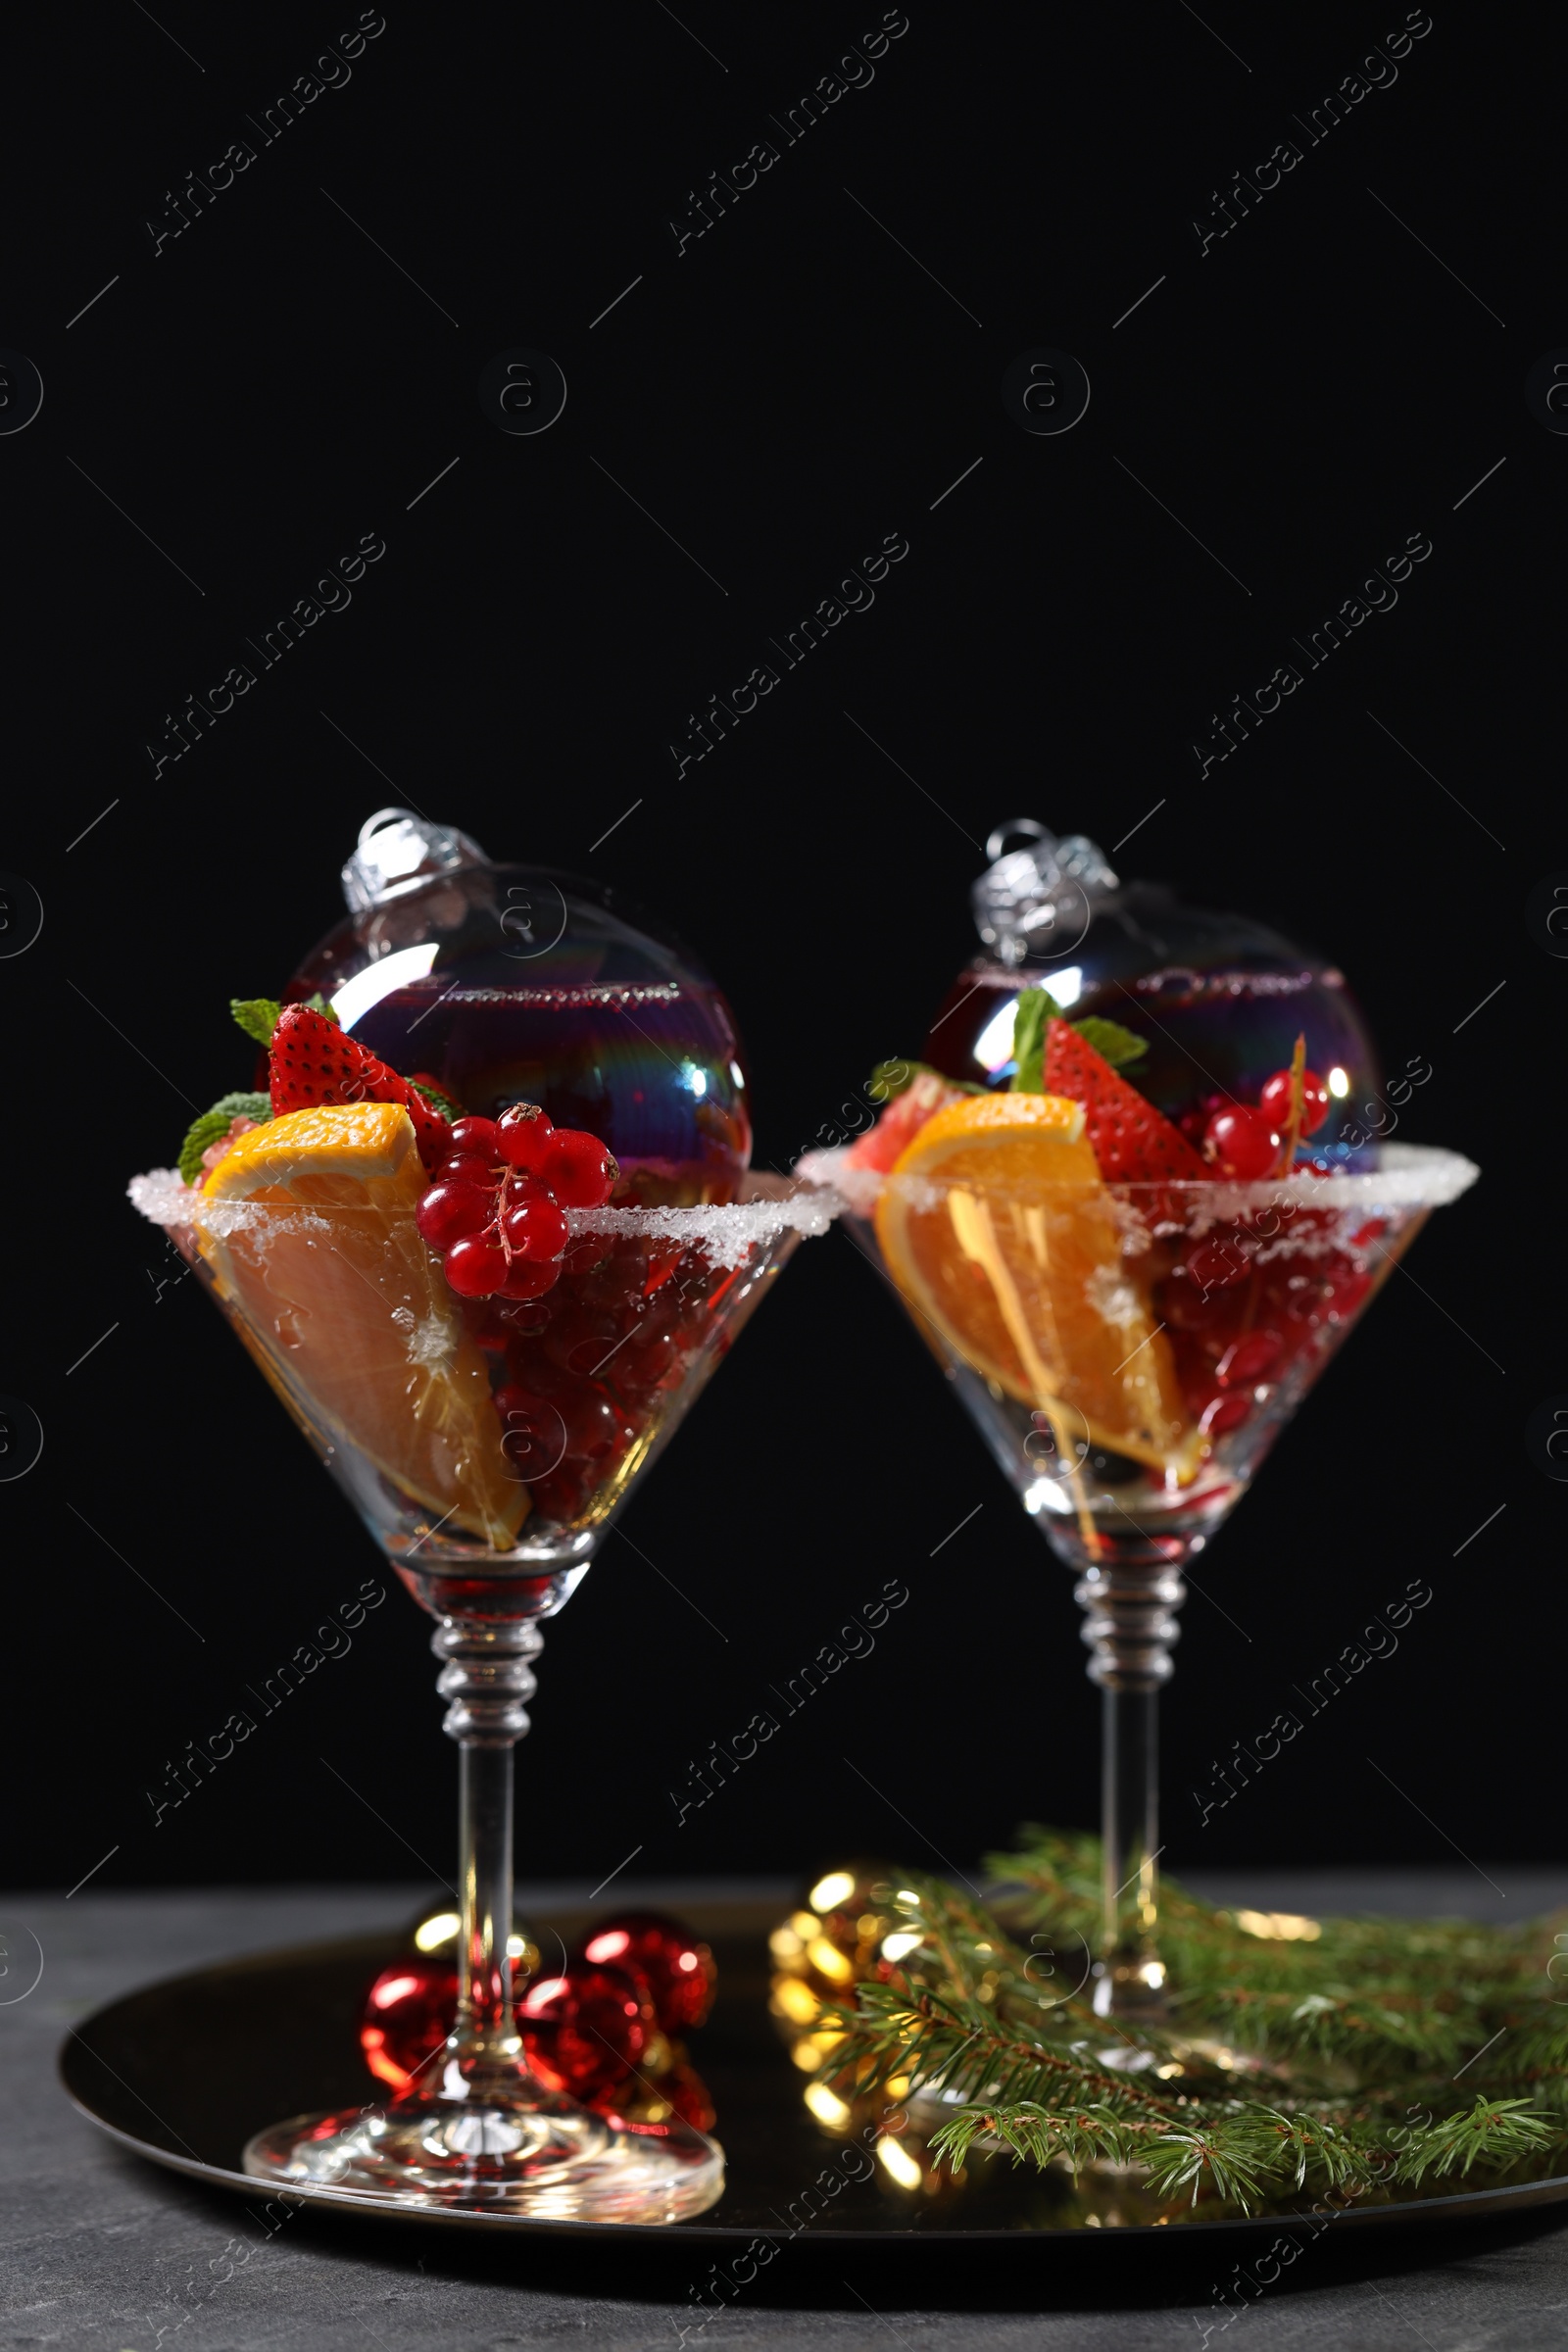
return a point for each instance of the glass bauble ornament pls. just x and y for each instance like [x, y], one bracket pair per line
[406, 2016]
[586, 2029]
[675, 1965]
[510, 983]
[1218, 999]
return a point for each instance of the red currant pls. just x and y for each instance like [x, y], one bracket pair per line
[1243, 1142]
[588, 1251]
[523, 1318]
[466, 1167]
[662, 1260]
[535, 1229]
[1302, 1297]
[533, 1437]
[619, 1281]
[515, 1398]
[526, 1278]
[1316, 1102]
[477, 1135]
[528, 1366]
[449, 1212]
[560, 1496]
[1218, 1261]
[577, 1168]
[523, 1134]
[474, 1267]
[1345, 1289]
[582, 1340]
[641, 1365]
[1247, 1360]
[1225, 1413]
[1275, 1101]
[594, 1428]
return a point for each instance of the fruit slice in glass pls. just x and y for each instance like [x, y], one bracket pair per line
[486, 1445]
[1129, 1352]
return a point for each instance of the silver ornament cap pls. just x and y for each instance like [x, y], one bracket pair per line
[399, 852]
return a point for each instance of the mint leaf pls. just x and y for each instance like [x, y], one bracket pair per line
[890, 1079]
[1036, 1007]
[257, 1017]
[1111, 1041]
[214, 1125]
[438, 1100]
[198, 1136]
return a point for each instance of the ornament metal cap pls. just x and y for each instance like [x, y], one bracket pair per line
[398, 852]
[1025, 898]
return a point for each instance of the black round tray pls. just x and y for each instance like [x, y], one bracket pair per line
[184, 2070]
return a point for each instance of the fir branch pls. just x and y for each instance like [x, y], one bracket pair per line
[1494, 2132]
[1232, 2155]
[1328, 2061]
[963, 2047]
[1033, 2134]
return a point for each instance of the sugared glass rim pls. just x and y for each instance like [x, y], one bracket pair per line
[726, 1231]
[1410, 1177]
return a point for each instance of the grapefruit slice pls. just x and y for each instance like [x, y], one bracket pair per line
[308, 1226]
[998, 1229]
[901, 1121]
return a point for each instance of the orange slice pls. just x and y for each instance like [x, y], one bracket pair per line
[998, 1229]
[307, 1225]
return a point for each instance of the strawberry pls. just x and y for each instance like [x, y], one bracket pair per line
[1132, 1142]
[902, 1121]
[313, 1061]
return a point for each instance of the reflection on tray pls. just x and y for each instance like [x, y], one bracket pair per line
[186, 2069]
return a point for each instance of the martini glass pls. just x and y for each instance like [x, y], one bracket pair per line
[1129, 1353]
[514, 1431]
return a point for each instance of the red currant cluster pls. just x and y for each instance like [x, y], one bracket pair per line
[1249, 1143]
[495, 1211]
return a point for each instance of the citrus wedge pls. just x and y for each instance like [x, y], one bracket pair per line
[308, 1227]
[998, 1229]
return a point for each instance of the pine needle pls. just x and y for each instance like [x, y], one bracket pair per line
[1377, 2052]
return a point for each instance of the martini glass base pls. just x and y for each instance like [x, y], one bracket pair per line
[1130, 1985]
[548, 2158]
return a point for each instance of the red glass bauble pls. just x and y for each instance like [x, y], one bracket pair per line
[585, 2028]
[676, 1966]
[689, 2095]
[406, 2015]
[599, 2029]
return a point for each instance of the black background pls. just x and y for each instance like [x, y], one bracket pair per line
[781, 395]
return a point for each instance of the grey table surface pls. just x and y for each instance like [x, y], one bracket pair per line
[109, 2253]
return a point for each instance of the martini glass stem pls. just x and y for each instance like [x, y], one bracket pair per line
[1130, 1806]
[1130, 1603]
[484, 1977]
[487, 1676]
